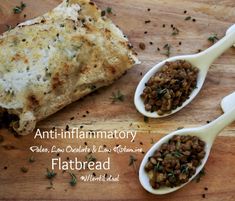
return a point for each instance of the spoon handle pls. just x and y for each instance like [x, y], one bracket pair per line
[207, 57]
[211, 130]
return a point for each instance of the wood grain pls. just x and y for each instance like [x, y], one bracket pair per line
[211, 17]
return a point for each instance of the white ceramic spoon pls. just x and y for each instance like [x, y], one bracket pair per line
[201, 60]
[206, 133]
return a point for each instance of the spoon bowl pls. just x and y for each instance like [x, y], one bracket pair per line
[202, 61]
[143, 176]
[206, 133]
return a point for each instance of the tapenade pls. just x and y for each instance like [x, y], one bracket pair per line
[175, 162]
[170, 87]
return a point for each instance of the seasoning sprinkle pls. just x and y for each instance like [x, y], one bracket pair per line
[187, 18]
[175, 31]
[103, 13]
[51, 186]
[117, 97]
[67, 128]
[152, 141]
[89, 157]
[109, 10]
[19, 9]
[31, 159]
[132, 162]
[73, 180]
[167, 49]
[24, 169]
[147, 21]
[50, 174]
[213, 38]
[142, 46]
[180, 128]
[146, 119]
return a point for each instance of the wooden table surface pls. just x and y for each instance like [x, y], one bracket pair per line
[212, 17]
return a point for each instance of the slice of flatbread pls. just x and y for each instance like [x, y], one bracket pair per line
[55, 59]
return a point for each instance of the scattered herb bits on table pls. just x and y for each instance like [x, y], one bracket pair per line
[170, 87]
[175, 162]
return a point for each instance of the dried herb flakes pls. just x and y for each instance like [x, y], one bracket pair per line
[19, 9]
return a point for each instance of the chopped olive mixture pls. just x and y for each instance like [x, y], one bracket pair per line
[170, 87]
[175, 162]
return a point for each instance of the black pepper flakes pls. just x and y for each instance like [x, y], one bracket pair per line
[67, 128]
[187, 18]
[142, 46]
[145, 32]
[203, 195]
[103, 13]
[5, 168]
[147, 21]
[146, 119]
[24, 169]
[163, 25]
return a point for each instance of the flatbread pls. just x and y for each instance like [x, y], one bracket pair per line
[55, 59]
